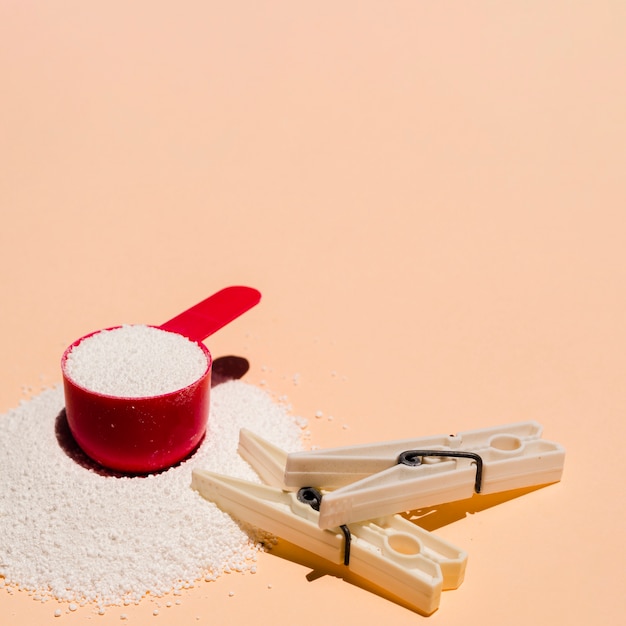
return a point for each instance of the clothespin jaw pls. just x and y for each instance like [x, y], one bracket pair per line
[396, 476]
[267, 459]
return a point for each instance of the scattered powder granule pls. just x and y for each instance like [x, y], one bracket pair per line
[73, 531]
[135, 361]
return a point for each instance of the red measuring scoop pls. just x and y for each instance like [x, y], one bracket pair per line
[146, 434]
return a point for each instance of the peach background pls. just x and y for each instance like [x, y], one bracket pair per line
[430, 196]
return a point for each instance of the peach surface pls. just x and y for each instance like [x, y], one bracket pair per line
[430, 197]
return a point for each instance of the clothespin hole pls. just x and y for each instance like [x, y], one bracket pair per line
[404, 544]
[506, 443]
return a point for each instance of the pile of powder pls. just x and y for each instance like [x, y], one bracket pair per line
[135, 361]
[73, 531]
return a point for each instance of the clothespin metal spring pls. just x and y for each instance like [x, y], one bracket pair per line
[413, 458]
[313, 497]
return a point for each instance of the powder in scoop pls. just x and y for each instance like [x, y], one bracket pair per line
[72, 531]
[135, 361]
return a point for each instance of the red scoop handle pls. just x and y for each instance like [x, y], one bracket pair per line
[208, 316]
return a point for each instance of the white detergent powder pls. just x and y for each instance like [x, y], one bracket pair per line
[73, 531]
[135, 361]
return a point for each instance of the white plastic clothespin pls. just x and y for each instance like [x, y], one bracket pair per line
[396, 476]
[397, 556]
[371, 483]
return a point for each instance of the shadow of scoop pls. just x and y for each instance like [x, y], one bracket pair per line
[227, 368]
